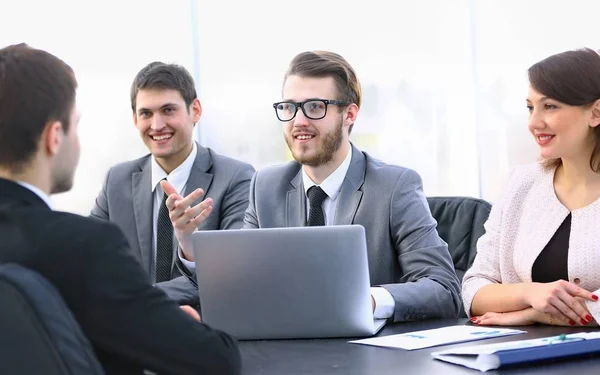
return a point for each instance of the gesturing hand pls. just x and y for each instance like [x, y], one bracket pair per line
[186, 219]
[559, 300]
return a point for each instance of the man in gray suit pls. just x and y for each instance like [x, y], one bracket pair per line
[331, 182]
[165, 110]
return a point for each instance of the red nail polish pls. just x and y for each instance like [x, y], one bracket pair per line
[571, 322]
[594, 297]
[588, 317]
[583, 322]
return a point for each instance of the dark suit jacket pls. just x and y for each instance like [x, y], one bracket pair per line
[131, 324]
[126, 199]
[406, 255]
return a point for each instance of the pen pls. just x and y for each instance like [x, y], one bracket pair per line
[563, 337]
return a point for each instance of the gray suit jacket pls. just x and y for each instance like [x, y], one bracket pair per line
[406, 255]
[126, 200]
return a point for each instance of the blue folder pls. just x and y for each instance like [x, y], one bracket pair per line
[493, 356]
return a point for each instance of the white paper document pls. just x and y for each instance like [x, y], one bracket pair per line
[435, 337]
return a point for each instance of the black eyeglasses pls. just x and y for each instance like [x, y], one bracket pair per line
[314, 109]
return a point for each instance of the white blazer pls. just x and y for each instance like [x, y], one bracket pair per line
[520, 225]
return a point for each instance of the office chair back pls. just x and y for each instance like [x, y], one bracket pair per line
[460, 223]
[38, 333]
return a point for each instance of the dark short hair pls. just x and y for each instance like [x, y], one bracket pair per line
[36, 88]
[158, 75]
[573, 78]
[322, 64]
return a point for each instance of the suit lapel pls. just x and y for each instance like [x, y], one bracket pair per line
[142, 209]
[199, 175]
[350, 195]
[296, 202]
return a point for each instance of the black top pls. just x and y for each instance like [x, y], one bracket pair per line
[551, 264]
[132, 325]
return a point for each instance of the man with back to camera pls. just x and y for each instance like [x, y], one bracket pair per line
[131, 324]
[165, 110]
[331, 182]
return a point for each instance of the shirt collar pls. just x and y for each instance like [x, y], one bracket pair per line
[37, 191]
[333, 183]
[179, 176]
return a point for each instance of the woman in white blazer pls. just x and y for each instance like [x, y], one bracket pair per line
[539, 260]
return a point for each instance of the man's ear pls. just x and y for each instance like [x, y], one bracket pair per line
[196, 110]
[52, 137]
[350, 114]
[134, 118]
[595, 119]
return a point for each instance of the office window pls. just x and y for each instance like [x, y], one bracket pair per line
[444, 81]
[106, 43]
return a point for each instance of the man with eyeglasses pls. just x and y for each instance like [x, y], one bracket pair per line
[331, 182]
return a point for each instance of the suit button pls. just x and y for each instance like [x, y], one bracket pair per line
[576, 281]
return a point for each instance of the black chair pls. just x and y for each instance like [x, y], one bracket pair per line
[38, 333]
[460, 223]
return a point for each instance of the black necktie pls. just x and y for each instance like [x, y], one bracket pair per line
[316, 196]
[164, 243]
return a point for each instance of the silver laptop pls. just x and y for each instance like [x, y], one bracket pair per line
[283, 283]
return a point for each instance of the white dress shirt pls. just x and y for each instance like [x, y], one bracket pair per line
[178, 178]
[37, 191]
[332, 185]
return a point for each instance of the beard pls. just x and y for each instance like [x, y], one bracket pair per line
[329, 144]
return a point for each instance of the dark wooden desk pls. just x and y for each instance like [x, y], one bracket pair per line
[336, 356]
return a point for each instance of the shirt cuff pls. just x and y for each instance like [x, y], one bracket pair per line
[191, 266]
[384, 303]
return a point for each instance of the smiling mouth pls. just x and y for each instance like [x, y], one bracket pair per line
[304, 137]
[161, 137]
[545, 138]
